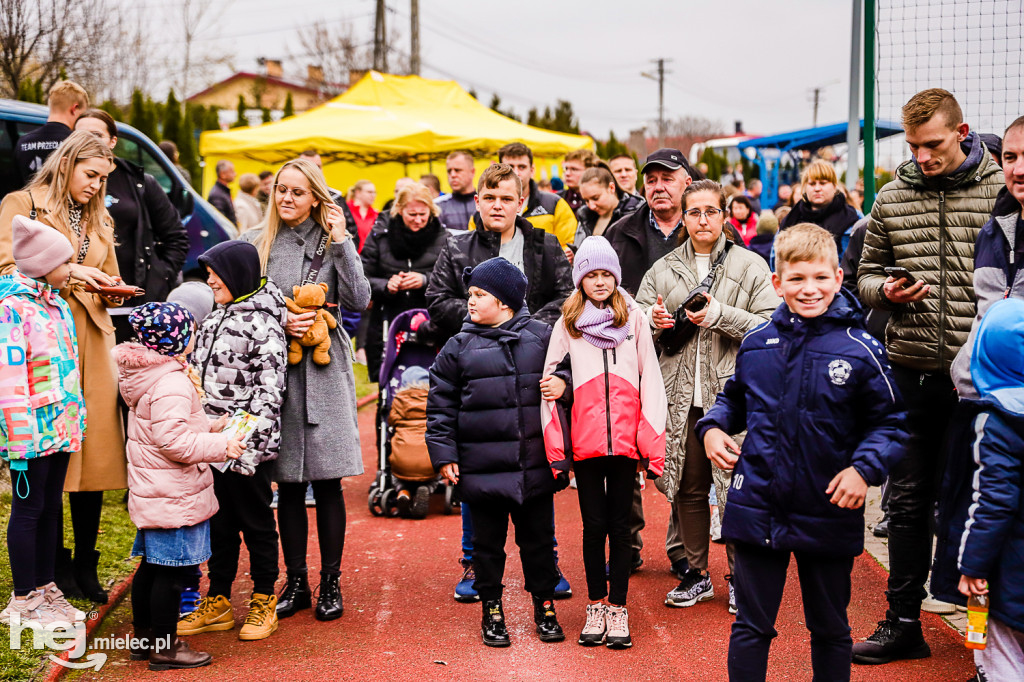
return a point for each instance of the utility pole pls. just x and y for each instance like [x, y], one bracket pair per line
[869, 104]
[817, 100]
[661, 96]
[380, 40]
[414, 33]
[853, 121]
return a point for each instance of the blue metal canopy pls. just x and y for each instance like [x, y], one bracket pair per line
[798, 140]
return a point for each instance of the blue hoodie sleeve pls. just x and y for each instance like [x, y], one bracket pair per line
[443, 403]
[729, 413]
[997, 494]
[881, 410]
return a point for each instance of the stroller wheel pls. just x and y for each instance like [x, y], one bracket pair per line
[449, 504]
[387, 503]
[373, 500]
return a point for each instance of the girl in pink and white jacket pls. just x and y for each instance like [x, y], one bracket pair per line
[171, 444]
[617, 425]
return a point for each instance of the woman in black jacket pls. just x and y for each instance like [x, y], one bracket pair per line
[398, 261]
[823, 204]
[151, 242]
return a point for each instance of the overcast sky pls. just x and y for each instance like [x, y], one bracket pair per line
[750, 60]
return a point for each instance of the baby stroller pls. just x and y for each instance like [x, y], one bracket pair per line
[402, 459]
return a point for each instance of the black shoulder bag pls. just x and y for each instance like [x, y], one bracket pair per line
[672, 340]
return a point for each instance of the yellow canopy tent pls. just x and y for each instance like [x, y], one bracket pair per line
[383, 128]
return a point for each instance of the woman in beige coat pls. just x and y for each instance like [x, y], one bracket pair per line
[741, 297]
[68, 194]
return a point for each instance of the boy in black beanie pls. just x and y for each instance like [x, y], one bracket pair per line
[241, 356]
[484, 436]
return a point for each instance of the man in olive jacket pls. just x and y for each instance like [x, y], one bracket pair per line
[926, 220]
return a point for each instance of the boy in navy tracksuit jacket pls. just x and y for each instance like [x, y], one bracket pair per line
[815, 394]
[992, 548]
[484, 436]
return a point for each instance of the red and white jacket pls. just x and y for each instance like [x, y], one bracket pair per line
[619, 404]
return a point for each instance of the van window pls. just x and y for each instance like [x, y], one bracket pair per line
[10, 178]
[131, 150]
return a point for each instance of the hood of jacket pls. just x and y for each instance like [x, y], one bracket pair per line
[267, 299]
[978, 164]
[237, 263]
[20, 284]
[138, 368]
[997, 365]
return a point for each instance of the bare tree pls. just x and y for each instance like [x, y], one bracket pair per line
[198, 20]
[336, 50]
[35, 40]
[694, 127]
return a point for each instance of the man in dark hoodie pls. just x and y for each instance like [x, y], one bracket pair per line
[498, 230]
[242, 358]
[927, 221]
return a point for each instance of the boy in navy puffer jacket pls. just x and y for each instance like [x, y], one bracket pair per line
[484, 436]
[815, 393]
[992, 547]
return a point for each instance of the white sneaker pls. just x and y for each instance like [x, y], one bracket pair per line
[55, 598]
[596, 626]
[33, 611]
[933, 605]
[618, 628]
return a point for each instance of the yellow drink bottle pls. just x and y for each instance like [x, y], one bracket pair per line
[977, 621]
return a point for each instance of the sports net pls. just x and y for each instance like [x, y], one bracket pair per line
[973, 48]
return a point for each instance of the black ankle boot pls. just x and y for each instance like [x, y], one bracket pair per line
[329, 604]
[547, 621]
[492, 627]
[84, 567]
[141, 644]
[64, 575]
[296, 595]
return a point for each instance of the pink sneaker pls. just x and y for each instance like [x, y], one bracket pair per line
[32, 611]
[55, 598]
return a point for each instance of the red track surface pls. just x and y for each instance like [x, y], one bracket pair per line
[400, 620]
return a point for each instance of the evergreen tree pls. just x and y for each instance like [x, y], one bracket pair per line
[496, 106]
[266, 115]
[143, 115]
[30, 91]
[716, 163]
[186, 142]
[612, 147]
[242, 122]
[172, 118]
[211, 119]
[289, 106]
[111, 108]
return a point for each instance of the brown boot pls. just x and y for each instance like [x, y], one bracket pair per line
[180, 655]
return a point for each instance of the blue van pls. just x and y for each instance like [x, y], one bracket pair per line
[206, 226]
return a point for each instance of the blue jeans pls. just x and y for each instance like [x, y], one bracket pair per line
[467, 534]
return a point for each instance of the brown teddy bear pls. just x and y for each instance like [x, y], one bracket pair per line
[310, 298]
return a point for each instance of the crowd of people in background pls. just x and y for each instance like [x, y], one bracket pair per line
[761, 365]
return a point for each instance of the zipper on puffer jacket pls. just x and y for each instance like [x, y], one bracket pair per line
[213, 339]
[607, 401]
[520, 426]
[942, 275]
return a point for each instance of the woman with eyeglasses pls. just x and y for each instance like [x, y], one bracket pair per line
[700, 331]
[319, 434]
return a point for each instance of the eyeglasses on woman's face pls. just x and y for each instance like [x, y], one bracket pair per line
[696, 213]
[296, 192]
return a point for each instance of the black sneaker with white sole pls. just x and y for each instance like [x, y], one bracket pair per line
[694, 587]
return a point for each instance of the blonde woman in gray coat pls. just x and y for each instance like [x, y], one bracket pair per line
[741, 297]
[319, 433]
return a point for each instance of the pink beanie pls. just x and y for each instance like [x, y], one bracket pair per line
[595, 253]
[38, 248]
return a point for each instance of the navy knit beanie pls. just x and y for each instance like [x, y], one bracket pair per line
[237, 263]
[498, 277]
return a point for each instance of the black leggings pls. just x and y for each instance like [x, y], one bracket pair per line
[293, 525]
[605, 490]
[33, 530]
[156, 593]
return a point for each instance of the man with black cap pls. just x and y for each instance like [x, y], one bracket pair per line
[644, 237]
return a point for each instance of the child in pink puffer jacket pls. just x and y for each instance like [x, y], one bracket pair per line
[171, 445]
[618, 425]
